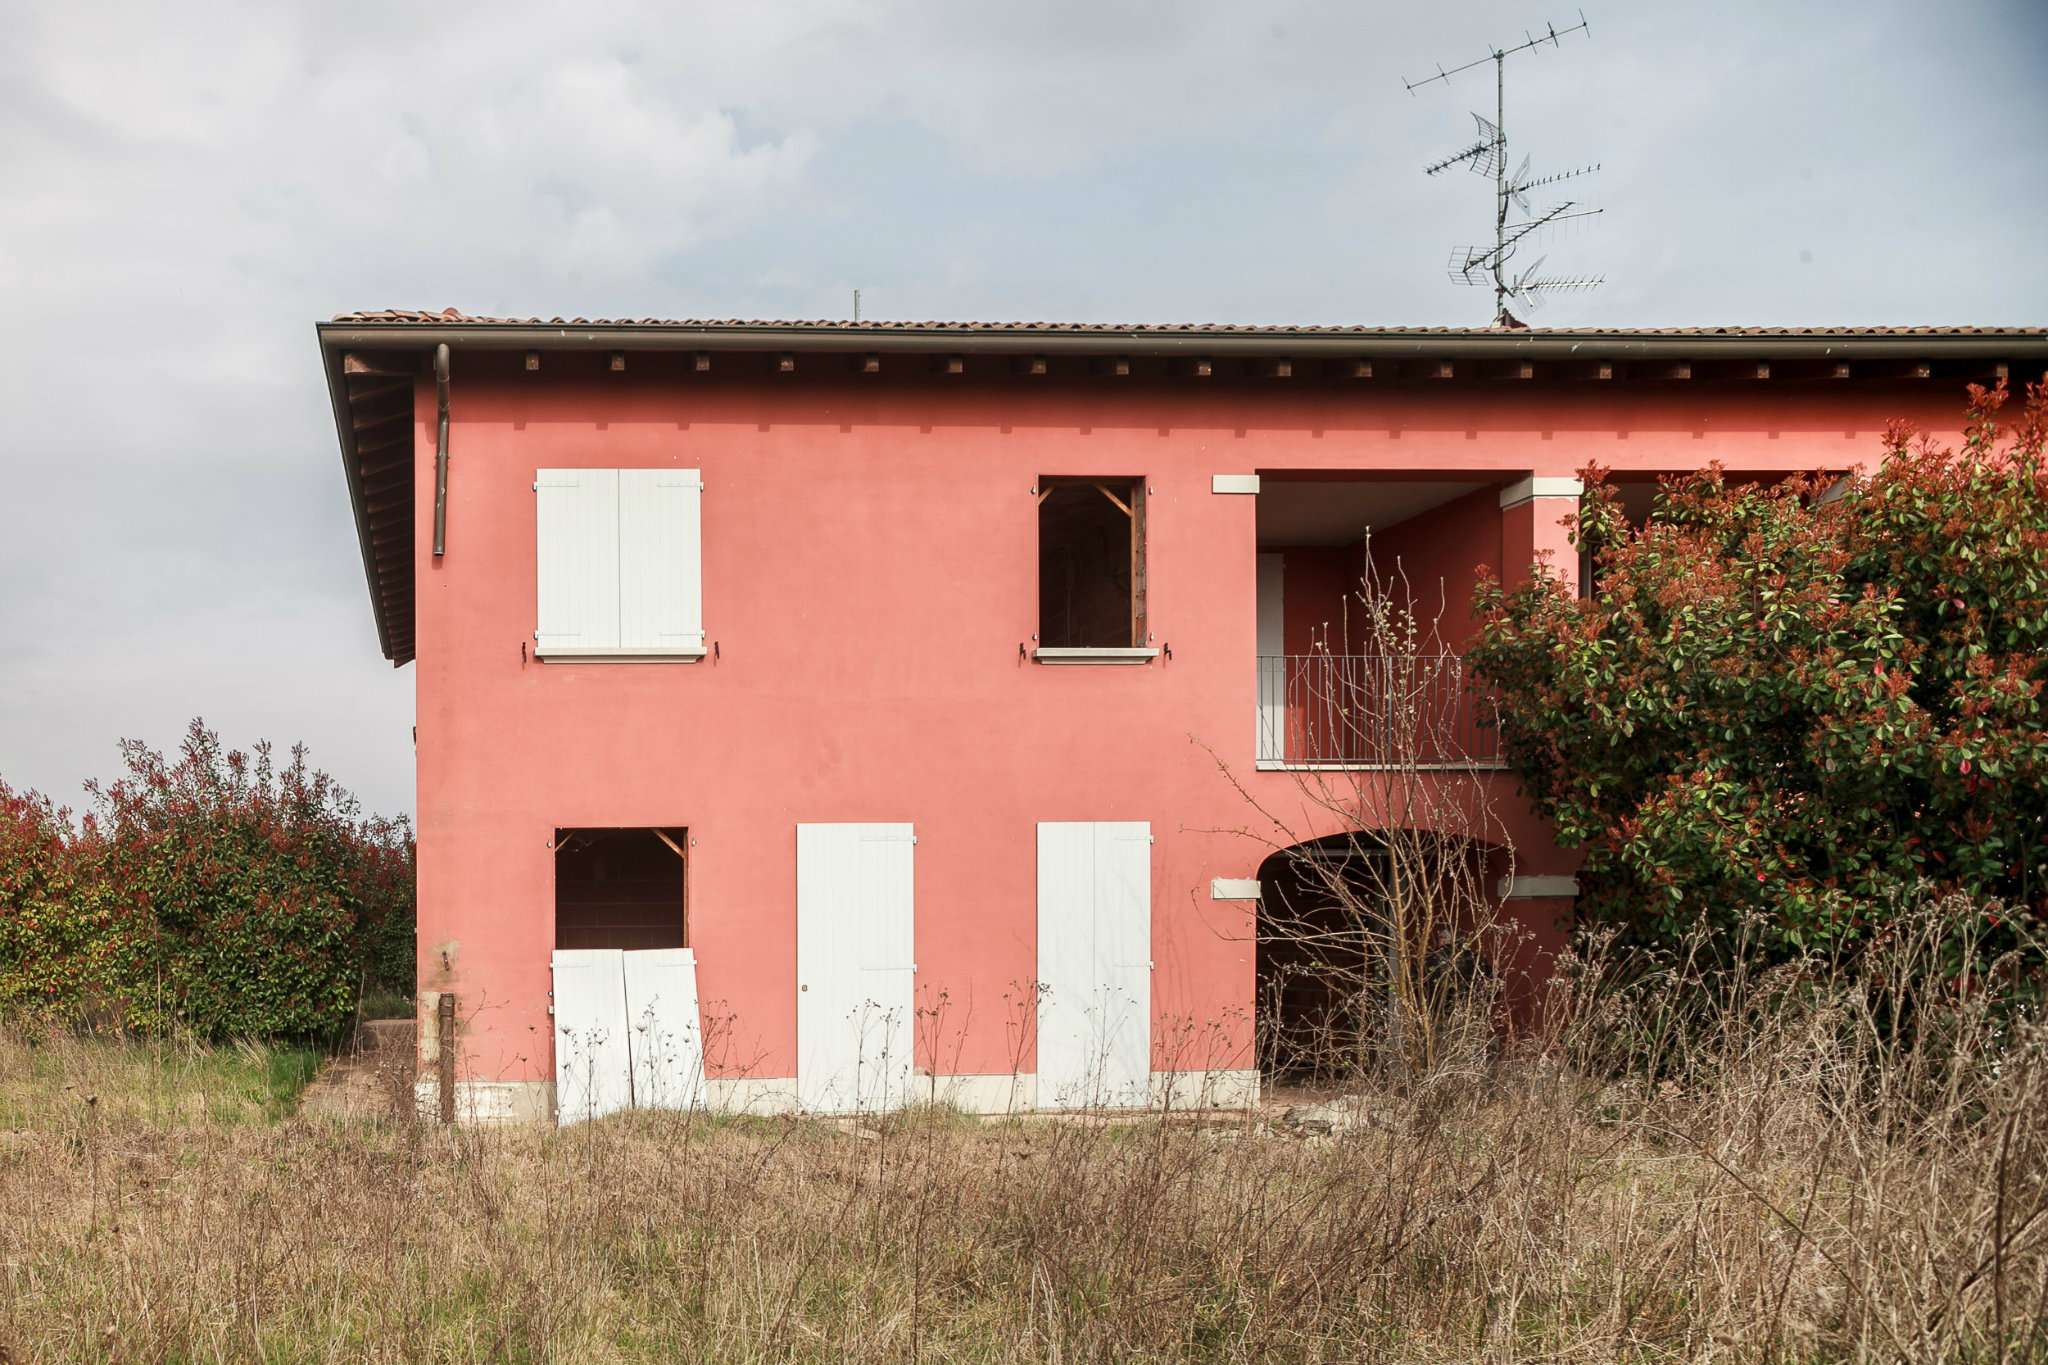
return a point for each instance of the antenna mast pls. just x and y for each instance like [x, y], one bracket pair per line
[1488, 155]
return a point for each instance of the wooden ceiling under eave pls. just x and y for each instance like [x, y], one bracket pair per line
[379, 396]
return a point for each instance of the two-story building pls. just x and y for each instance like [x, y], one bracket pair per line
[829, 714]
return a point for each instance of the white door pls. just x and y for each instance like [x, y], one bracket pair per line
[1271, 643]
[855, 924]
[1094, 964]
[593, 1060]
[666, 1041]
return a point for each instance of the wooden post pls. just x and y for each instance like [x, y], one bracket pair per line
[444, 1014]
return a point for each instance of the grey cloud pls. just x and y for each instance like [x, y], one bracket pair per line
[187, 188]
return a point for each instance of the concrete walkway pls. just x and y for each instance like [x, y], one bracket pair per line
[373, 1079]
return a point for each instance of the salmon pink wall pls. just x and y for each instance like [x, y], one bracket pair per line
[1318, 585]
[869, 576]
[1438, 555]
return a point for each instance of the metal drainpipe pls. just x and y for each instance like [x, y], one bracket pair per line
[441, 454]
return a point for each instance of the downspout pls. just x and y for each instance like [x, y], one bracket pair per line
[441, 454]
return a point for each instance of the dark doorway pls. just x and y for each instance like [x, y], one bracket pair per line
[621, 888]
[1312, 961]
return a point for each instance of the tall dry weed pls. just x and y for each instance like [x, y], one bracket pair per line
[1785, 1170]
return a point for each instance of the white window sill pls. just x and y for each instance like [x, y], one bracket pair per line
[615, 656]
[1061, 655]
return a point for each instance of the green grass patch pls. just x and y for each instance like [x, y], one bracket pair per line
[57, 1081]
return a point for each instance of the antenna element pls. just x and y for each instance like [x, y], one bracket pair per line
[1488, 155]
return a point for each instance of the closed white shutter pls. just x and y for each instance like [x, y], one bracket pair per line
[1094, 964]
[593, 1066]
[1067, 1050]
[576, 516]
[661, 598]
[620, 563]
[855, 924]
[1123, 959]
[667, 1038]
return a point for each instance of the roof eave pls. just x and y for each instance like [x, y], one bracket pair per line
[1620, 345]
[337, 397]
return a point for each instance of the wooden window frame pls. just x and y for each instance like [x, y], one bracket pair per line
[1132, 505]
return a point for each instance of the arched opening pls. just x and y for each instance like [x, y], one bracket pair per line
[1370, 945]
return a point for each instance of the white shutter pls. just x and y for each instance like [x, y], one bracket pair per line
[1123, 959]
[855, 926]
[1094, 964]
[661, 599]
[667, 1038]
[576, 518]
[593, 1068]
[1066, 964]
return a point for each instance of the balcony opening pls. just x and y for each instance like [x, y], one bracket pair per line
[621, 888]
[1091, 563]
[1339, 684]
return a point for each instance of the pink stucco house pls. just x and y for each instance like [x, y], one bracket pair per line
[824, 714]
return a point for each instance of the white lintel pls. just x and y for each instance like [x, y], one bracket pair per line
[1540, 486]
[1538, 888]
[1233, 483]
[1234, 889]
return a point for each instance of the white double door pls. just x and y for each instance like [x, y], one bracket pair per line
[1094, 964]
[627, 1031]
[855, 966]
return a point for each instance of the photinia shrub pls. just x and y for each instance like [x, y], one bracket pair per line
[218, 891]
[1799, 704]
[56, 921]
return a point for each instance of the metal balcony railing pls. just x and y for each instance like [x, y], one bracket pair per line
[1373, 711]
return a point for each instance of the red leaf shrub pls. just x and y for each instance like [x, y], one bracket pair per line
[56, 921]
[219, 892]
[1797, 710]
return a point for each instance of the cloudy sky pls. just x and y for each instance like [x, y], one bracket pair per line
[185, 189]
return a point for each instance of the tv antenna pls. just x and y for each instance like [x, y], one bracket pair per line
[1487, 154]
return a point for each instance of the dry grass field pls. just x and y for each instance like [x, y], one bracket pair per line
[1795, 1184]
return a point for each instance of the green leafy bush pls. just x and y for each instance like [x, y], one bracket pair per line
[219, 892]
[1796, 705]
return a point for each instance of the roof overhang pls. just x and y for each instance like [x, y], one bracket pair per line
[359, 333]
[373, 361]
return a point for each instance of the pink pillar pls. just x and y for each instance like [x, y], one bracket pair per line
[1536, 917]
[1536, 516]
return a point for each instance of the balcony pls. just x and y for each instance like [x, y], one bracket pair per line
[1373, 711]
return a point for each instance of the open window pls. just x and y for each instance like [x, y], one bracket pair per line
[621, 888]
[1091, 570]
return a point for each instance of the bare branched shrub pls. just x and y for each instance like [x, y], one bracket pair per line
[1374, 938]
[1884, 1114]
